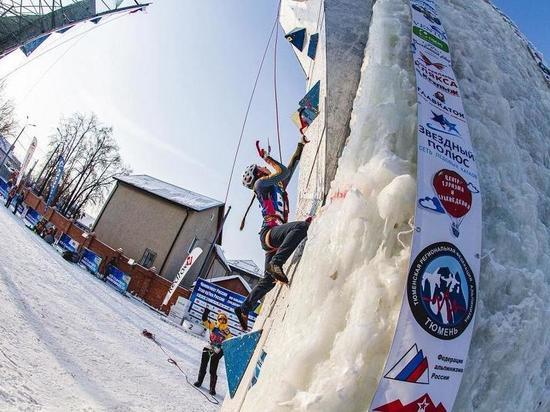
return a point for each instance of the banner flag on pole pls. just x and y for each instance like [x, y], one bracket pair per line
[31, 46]
[26, 161]
[57, 179]
[64, 30]
[428, 354]
[193, 256]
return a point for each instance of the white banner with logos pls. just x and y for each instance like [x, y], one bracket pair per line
[428, 354]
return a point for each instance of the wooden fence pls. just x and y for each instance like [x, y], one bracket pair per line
[144, 283]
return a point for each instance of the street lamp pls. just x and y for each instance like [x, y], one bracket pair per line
[14, 142]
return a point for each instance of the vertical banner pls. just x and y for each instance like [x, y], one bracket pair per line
[428, 354]
[26, 161]
[57, 179]
[193, 256]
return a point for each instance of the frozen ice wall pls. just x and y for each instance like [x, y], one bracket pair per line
[332, 329]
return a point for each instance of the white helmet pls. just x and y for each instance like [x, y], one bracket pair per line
[249, 176]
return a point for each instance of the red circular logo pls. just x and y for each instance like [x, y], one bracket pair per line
[452, 190]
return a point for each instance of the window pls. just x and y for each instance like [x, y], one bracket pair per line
[148, 258]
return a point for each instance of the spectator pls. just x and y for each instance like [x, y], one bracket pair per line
[18, 200]
[49, 235]
[219, 331]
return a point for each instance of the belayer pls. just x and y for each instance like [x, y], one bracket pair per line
[278, 238]
[219, 331]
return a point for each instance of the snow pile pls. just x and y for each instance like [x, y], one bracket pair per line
[329, 342]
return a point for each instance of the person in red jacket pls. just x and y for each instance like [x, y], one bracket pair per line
[219, 331]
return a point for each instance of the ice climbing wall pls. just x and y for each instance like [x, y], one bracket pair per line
[330, 333]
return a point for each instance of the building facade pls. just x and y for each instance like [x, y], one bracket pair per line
[11, 163]
[158, 224]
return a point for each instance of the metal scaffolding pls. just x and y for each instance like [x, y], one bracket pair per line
[22, 21]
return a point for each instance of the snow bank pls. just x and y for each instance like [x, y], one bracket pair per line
[329, 341]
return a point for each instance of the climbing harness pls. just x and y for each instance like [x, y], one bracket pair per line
[171, 360]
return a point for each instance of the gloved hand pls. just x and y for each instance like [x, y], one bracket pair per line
[264, 154]
[205, 314]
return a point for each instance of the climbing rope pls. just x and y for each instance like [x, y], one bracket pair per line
[51, 67]
[171, 360]
[275, 84]
[249, 105]
[404, 232]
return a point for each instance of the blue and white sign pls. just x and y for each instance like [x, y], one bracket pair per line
[118, 279]
[32, 217]
[90, 261]
[3, 188]
[67, 243]
[217, 299]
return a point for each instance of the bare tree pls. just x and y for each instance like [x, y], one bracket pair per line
[91, 157]
[7, 115]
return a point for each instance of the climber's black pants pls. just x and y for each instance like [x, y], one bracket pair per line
[283, 240]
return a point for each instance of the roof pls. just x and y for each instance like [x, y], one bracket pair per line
[171, 192]
[223, 278]
[247, 266]
[221, 255]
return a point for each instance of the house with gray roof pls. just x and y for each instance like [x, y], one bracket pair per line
[158, 224]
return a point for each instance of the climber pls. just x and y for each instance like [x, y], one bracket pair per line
[219, 331]
[277, 237]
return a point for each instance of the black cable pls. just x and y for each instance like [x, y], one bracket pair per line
[171, 360]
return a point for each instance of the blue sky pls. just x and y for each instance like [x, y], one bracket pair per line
[174, 83]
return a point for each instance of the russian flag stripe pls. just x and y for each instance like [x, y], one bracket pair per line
[410, 368]
[417, 373]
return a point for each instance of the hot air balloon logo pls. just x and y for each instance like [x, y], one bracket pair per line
[454, 198]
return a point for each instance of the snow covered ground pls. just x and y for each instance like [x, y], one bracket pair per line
[70, 342]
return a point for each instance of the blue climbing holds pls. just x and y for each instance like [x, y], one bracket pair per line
[309, 108]
[238, 351]
[312, 46]
[311, 99]
[297, 38]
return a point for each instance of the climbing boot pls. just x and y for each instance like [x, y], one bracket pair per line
[243, 318]
[213, 380]
[277, 272]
